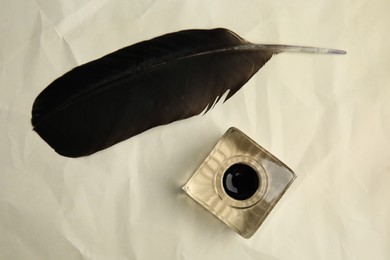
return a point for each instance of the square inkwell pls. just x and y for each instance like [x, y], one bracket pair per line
[239, 182]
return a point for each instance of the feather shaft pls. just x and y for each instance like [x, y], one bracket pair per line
[299, 49]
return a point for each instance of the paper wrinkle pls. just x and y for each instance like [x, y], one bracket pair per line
[65, 25]
[327, 117]
[69, 48]
[61, 9]
[146, 10]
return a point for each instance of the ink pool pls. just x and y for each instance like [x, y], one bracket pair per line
[240, 181]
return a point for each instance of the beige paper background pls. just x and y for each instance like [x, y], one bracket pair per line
[327, 117]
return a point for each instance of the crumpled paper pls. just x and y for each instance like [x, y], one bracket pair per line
[326, 117]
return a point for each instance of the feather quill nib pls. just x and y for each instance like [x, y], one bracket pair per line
[145, 85]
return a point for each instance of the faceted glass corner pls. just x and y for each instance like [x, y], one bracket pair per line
[207, 187]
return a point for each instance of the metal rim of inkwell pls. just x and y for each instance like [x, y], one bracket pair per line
[258, 194]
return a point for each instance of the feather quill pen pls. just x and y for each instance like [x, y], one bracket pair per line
[151, 83]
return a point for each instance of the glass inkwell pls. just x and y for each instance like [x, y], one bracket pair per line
[239, 182]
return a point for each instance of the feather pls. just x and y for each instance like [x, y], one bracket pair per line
[148, 84]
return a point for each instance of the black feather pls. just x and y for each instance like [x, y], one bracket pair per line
[151, 83]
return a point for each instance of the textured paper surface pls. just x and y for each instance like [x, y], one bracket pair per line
[327, 117]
